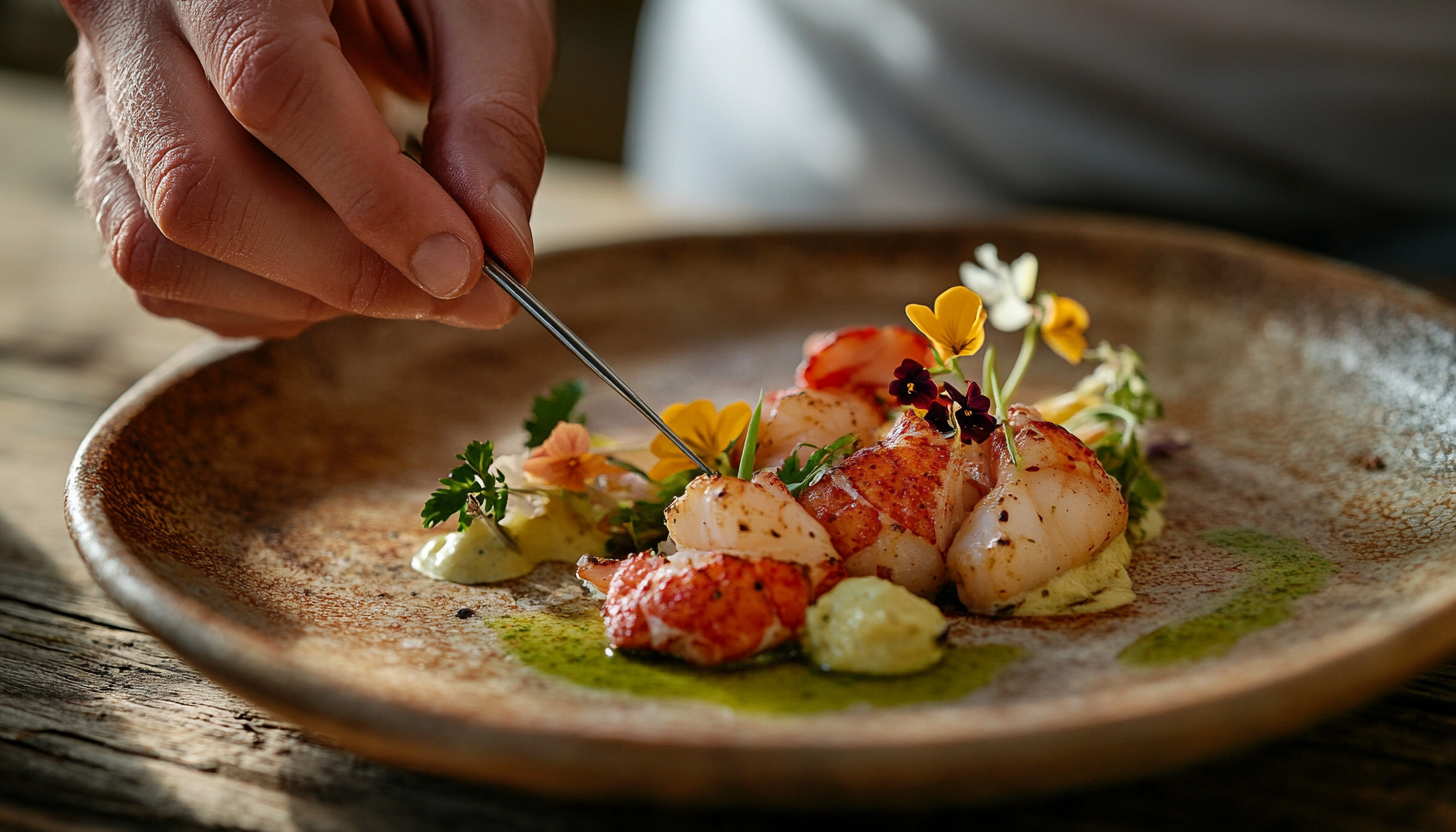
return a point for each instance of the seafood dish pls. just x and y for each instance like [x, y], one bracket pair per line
[845, 515]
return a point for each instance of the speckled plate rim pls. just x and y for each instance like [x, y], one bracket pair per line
[1332, 672]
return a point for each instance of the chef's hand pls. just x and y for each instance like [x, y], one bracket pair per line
[243, 179]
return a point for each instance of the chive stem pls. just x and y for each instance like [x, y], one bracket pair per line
[750, 442]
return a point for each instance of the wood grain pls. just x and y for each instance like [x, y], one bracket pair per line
[101, 728]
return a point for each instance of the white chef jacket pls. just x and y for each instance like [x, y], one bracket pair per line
[1245, 112]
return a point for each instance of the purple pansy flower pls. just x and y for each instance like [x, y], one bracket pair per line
[972, 413]
[939, 418]
[913, 385]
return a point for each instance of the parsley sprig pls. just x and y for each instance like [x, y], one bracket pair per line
[550, 410]
[799, 477]
[473, 490]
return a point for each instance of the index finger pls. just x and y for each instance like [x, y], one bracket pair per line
[284, 78]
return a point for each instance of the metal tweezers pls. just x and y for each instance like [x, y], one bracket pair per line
[502, 278]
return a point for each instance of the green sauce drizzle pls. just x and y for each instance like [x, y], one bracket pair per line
[1284, 570]
[574, 648]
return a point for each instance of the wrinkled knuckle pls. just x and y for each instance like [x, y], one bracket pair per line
[369, 289]
[513, 118]
[183, 193]
[372, 209]
[261, 76]
[137, 251]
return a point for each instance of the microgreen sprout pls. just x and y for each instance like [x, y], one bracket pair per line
[750, 442]
[799, 477]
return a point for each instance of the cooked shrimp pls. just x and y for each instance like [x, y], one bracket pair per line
[757, 518]
[892, 508]
[810, 417]
[749, 562]
[704, 607]
[1052, 516]
[860, 359]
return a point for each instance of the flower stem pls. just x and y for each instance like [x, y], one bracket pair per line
[1023, 359]
[1088, 414]
[998, 401]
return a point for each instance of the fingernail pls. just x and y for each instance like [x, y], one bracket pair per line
[511, 208]
[441, 265]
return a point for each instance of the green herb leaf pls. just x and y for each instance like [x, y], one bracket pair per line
[750, 442]
[479, 456]
[473, 479]
[798, 477]
[1126, 462]
[641, 525]
[554, 408]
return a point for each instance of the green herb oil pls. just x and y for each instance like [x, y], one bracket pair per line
[574, 648]
[1283, 571]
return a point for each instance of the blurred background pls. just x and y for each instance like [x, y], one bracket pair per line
[877, 110]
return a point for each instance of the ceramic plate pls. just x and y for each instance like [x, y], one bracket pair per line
[256, 506]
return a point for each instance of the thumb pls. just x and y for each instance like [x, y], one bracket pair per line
[490, 64]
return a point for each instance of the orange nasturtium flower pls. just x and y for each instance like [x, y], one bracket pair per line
[957, 326]
[706, 430]
[1064, 327]
[565, 459]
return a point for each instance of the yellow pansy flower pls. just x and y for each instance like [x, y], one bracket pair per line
[706, 430]
[1064, 327]
[957, 326]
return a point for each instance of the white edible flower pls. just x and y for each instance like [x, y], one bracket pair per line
[1005, 290]
[527, 506]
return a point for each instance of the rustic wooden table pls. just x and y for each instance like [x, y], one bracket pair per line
[102, 729]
